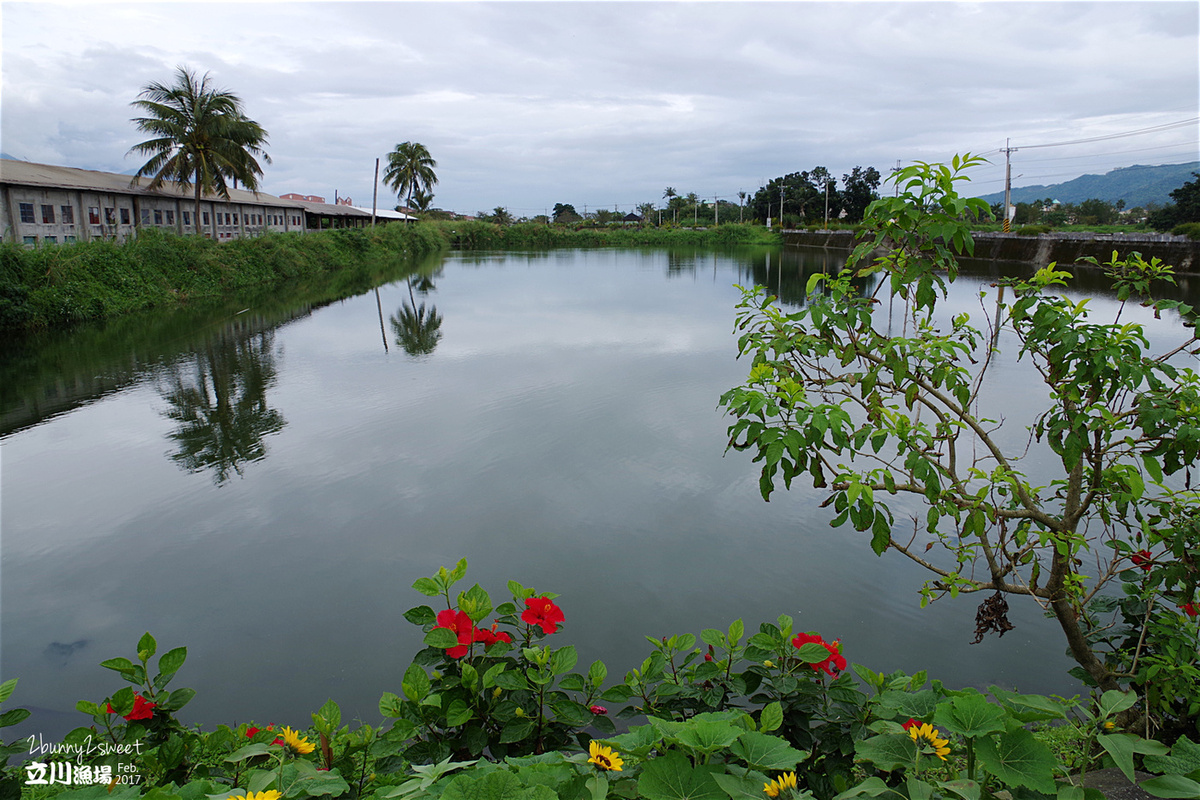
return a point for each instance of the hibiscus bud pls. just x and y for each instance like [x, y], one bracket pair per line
[708, 656]
[496, 692]
[768, 663]
[598, 709]
[520, 712]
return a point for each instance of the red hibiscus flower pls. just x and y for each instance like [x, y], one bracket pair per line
[832, 665]
[912, 723]
[1191, 609]
[541, 611]
[1143, 559]
[461, 625]
[142, 709]
[490, 637]
[598, 709]
[253, 730]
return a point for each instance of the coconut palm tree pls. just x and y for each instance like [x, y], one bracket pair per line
[202, 137]
[410, 170]
[670, 194]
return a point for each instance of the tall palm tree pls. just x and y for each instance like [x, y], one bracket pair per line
[410, 170]
[202, 137]
[670, 194]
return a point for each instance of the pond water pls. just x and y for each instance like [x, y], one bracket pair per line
[264, 482]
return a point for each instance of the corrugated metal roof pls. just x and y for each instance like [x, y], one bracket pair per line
[30, 174]
[385, 213]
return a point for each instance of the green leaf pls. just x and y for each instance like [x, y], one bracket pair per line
[1184, 759]
[122, 665]
[708, 736]
[742, 787]
[970, 716]
[1018, 759]
[249, 751]
[563, 659]
[766, 752]
[172, 660]
[416, 683]
[475, 603]
[889, 751]
[6, 689]
[516, 730]
[1172, 786]
[178, 699]
[597, 672]
[872, 787]
[327, 718]
[1122, 746]
[13, 716]
[146, 647]
[441, 638]
[459, 713]
[1114, 702]
[421, 615]
[390, 705]
[496, 785]
[771, 718]
[427, 586]
[672, 777]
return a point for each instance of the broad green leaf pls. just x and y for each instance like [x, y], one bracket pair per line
[475, 603]
[249, 751]
[672, 777]
[1183, 760]
[1114, 702]
[6, 689]
[563, 659]
[1018, 759]
[146, 647]
[889, 751]
[1122, 746]
[1029, 707]
[1172, 786]
[968, 790]
[1070, 791]
[516, 730]
[771, 717]
[172, 660]
[766, 752]
[707, 736]
[121, 665]
[742, 787]
[416, 683]
[13, 716]
[970, 716]
[327, 718]
[427, 587]
[441, 638]
[459, 713]
[871, 787]
[421, 615]
[390, 705]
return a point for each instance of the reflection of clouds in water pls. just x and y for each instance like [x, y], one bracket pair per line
[61, 653]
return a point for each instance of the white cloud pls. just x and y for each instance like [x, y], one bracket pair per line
[601, 103]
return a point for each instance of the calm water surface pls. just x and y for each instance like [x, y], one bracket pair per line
[264, 487]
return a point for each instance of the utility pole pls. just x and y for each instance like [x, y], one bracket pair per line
[826, 205]
[374, 202]
[780, 206]
[716, 211]
[1007, 183]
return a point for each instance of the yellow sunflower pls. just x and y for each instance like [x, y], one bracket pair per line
[293, 741]
[268, 795]
[785, 781]
[926, 734]
[604, 757]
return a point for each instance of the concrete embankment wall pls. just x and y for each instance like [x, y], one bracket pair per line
[1064, 248]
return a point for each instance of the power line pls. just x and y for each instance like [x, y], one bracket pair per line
[1166, 127]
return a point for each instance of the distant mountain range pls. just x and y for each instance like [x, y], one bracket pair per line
[1138, 185]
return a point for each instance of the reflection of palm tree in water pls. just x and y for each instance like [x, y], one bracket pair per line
[417, 330]
[222, 409]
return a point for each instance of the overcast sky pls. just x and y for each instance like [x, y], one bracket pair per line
[606, 104]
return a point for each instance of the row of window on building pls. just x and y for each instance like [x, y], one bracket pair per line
[159, 216]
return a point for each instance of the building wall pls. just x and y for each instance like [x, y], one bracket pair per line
[35, 214]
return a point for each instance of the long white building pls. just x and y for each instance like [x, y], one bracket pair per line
[45, 204]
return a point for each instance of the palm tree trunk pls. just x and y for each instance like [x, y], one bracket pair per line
[196, 220]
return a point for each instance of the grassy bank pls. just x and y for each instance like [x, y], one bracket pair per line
[58, 286]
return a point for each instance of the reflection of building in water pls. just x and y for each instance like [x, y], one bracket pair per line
[81, 366]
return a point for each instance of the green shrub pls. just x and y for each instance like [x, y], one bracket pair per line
[1188, 229]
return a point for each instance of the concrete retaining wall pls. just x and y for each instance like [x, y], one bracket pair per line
[1064, 248]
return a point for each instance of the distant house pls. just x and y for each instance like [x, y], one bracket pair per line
[46, 204]
[308, 198]
[631, 217]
